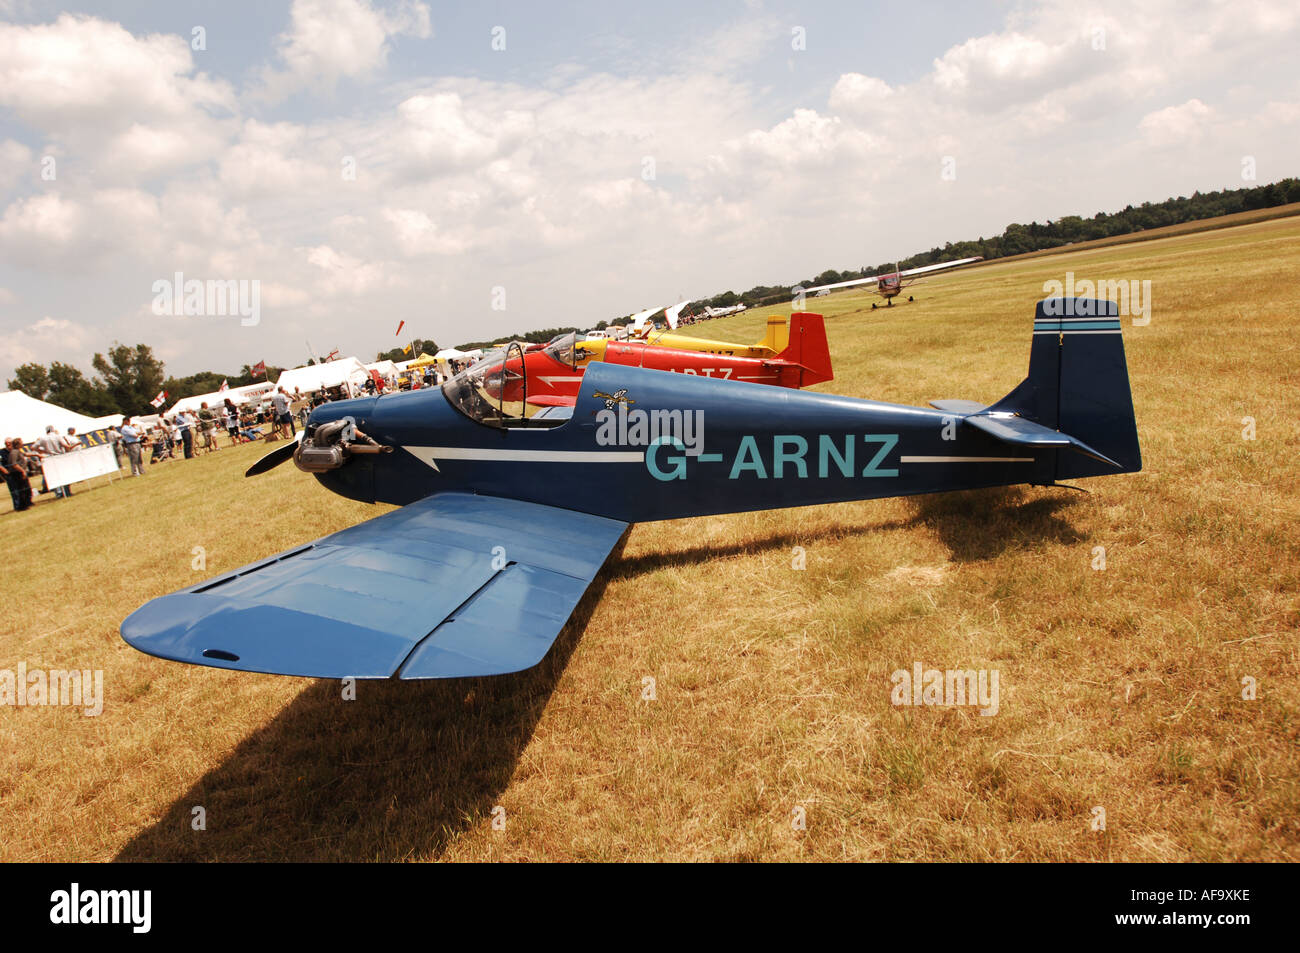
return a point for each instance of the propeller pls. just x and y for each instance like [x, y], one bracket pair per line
[274, 458]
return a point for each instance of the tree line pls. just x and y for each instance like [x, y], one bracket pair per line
[127, 379]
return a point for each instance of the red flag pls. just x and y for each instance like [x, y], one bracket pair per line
[160, 399]
[333, 355]
[259, 368]
[400, 325]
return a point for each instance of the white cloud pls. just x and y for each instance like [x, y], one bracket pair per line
[65, 235]
[81, 71]
[43, 341]
[130, 106]
[1176, 125]
[329, 40]
[864, 97]
[16, 164]
[270, 158]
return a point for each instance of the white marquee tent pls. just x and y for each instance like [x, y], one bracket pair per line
[27, 417]
[100, 423]
[239, 395]
[314, 377]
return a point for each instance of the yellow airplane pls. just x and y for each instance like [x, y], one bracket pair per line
[776, 340]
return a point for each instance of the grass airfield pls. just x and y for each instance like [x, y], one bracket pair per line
[1119, 688]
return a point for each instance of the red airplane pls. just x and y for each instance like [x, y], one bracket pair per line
[551, 376]
[891, 285]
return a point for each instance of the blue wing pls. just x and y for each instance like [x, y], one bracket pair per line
[452, 585]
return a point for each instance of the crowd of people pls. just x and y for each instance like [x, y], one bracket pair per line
[182, 435]
[186, 434]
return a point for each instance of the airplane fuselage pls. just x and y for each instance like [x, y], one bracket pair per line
[643, 445]
[889, 286]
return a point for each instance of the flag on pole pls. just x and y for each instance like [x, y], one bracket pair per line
[400, 325]
[225, 385]
[160, 399]
[259, 368]
[407, 349]
[333, 355]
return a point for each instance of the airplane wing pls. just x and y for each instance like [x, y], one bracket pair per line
[640, 317]
[926, 269]
[844, 284]
[452, 585]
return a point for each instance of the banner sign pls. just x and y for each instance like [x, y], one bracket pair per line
[65, 468]
[96, 438]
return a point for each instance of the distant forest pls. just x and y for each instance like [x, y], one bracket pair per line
[128, 377]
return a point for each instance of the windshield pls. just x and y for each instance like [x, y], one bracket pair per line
[494, 392]
[561, 349]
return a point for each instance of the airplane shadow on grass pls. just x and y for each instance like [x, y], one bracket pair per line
[973, 524]
[401, 770]
[983, 524]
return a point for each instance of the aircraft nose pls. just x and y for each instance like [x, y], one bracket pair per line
[359, 409]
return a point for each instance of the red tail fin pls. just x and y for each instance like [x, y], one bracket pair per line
[808, 348]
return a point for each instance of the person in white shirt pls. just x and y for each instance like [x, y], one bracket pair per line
[131, 440]
[185, 428]
[283, 419]
[51, 445]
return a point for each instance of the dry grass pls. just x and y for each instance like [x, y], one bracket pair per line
[1119, 688]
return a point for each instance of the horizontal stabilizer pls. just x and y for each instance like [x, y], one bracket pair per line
[1026, 433]
[962, 407]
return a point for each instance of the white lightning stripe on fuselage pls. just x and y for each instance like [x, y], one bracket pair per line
[430, 454]
[905, 459]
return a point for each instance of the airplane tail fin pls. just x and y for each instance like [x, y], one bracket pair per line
[778, 335]
[1076, 397]
[1078, 385]
[807, 348]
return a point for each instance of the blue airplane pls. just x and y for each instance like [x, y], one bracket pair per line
[508, 510]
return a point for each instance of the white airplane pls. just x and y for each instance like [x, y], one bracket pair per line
[638, 320]
[638, 324]
[888, 286]
[723, 312]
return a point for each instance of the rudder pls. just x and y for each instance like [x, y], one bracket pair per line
[1078, 384]
[808, 348]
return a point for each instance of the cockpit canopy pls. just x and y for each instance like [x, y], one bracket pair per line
[494, 392]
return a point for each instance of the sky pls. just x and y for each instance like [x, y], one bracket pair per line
[476, 170]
